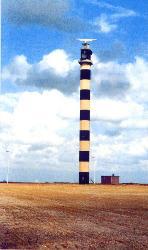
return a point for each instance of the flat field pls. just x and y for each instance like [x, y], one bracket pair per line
[60, 216]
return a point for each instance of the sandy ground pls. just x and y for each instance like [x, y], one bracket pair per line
[60, 216]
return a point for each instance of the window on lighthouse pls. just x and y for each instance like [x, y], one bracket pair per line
[86, 54]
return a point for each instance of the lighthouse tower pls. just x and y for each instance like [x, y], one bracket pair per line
[85, 77]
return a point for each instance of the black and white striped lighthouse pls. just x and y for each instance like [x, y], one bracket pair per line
[85, 77]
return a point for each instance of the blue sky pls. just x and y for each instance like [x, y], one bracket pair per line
[39, 64]
[35, 39]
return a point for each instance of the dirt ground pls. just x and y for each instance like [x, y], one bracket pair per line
[60, 216]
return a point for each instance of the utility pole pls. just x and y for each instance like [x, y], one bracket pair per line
[94, 168]
[7, 151]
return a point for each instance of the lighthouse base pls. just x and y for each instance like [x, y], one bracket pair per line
[83, 177]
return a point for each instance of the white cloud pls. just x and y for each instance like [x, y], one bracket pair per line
[119, 151]
[137, 75]
[126, 80]
[135, 123]
[109, 78]
[107, 70]
[115, 110]
[116, 8]
[112, 77]
[104, 25]
[54, 70]
[139, 147]
[5, 118]
[38, 129]
[58, 61]
[109, 22]
[17, 70]
[37, 117]
[144, 165]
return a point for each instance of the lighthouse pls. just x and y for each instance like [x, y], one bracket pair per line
[85, 77]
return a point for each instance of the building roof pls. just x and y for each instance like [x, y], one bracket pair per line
[110, 175]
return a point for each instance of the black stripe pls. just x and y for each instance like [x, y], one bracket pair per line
[83, 155]
[85, 94]
[84, 135]
[83, 177]
[85, 74]
[84, 114]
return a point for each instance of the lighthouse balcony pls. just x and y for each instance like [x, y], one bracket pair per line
[85, 61]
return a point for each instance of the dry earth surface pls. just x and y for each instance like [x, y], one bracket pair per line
[60, 216]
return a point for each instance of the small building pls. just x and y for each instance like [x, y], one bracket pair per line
[110, 179]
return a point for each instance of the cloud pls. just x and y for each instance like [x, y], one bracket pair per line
[135, 124]
[110, 79]
[17, 70]
[123, 150]
[113, 87]
[104, 24]
[39, 129]
[112, 53]
[108, 22]
[119, 11]
[63, 15]
[114, 110]
[34, 114]
[137, 72]
[53, 14]
[121, 80]
[55, 70]
[139, 148]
